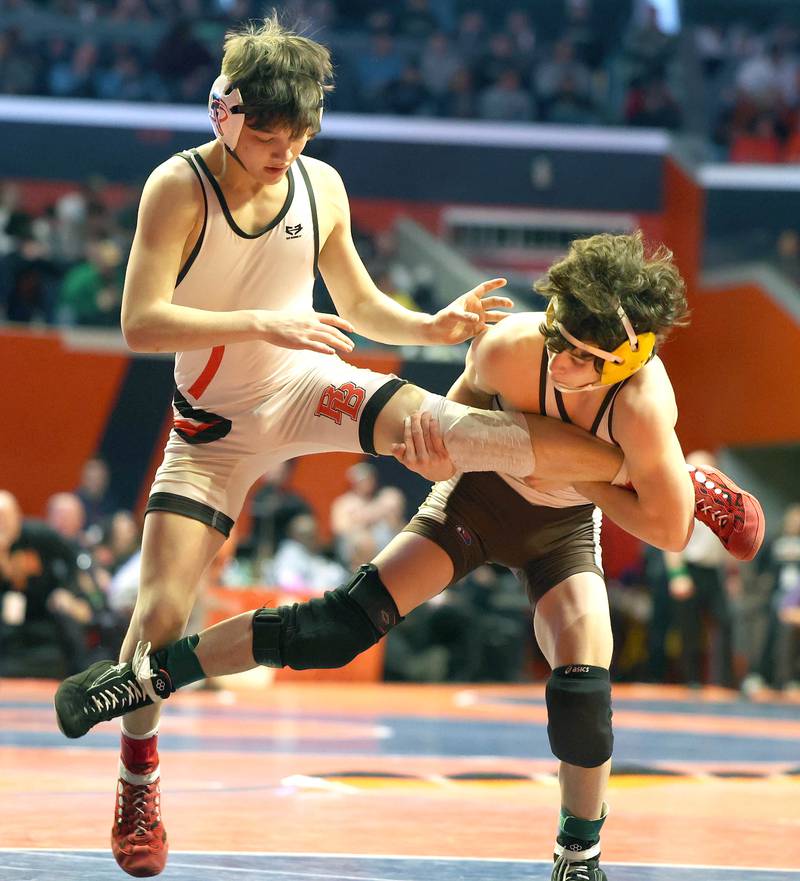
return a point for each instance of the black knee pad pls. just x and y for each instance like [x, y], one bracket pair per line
[579, 715]
[326, 632]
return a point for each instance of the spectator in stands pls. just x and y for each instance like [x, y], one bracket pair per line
[43, 617]
[122, 540]
[779, 565]
[19, 69]
[439, 63]
[700, 600]
[562, 65]
[125, 79]
[768, 77]
[499, 57]
[299, 565]
[364, 507]
[506, 99]
[273, 506]
[523, 35]
[407, 95]
[73, 75]
[650, 103]
[585, 33]
[570, 106]
[93, 491]
[377, 67]
[647, 47]
[91, 292]
[416, 20]
[471, 36]
[180, 57]
[28, 281]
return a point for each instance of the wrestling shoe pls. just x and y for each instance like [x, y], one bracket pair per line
[733, 515]
[138, 838]
[107, 690]
[578, 870]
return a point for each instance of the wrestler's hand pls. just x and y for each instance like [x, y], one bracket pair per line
[423, 448]
[315, 331]
[470, 314]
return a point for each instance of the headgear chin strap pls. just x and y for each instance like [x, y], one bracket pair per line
[225, 111]
[624, 361]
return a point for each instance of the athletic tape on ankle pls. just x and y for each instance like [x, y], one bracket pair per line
[133, 736]
[483, 440]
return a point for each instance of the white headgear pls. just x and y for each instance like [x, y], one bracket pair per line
[225, 111]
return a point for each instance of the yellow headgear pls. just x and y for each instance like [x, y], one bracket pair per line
[624, 361]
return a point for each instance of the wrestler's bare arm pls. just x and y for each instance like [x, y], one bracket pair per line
[496, 364]
[170, 213]
[661, 512]
[372, 313]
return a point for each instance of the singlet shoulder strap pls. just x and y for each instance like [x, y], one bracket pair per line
[199, 243]
[562, 409]
[617, 390]
[313, 204]
[543, 383]
[604, 405]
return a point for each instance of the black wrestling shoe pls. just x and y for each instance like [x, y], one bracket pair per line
[107, 690]
[578, 870]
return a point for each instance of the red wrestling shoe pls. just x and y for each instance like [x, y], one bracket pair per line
[138, 838]
[733, 515]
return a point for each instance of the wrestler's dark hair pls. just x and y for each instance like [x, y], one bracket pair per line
[603, 271]
[282, 75]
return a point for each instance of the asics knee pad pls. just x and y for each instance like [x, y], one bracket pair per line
[329, 631]
[579, 715]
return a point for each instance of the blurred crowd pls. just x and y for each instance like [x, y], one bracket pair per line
[570, 61]
[68, 584]
[752, 86]
[65, 264]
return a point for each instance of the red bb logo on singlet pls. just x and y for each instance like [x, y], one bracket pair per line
[345, 400]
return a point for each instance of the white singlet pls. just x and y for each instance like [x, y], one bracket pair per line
[242, 407]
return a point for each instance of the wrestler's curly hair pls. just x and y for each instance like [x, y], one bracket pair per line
[282, 75]
[604, 271]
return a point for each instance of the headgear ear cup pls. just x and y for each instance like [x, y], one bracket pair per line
[631, 361]
[225, 111]
[624, 361]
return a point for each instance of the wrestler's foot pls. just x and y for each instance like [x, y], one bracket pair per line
[107, 690]
[733, 515]
[138, 838]
[577, 870]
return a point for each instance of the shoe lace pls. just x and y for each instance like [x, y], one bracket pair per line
[577, 870]
[138, 807]
[130, 691]
[715, 506]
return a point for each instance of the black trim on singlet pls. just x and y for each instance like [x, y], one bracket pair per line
[176, 504]
[607, 401]
[199, 243]
[543, 383]
[366, 425]
[562, 407]
[611, 410]
[226, 211]
[313, 203]
[603, 407]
